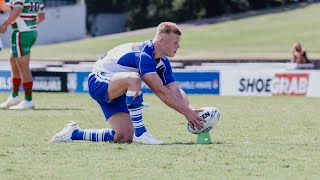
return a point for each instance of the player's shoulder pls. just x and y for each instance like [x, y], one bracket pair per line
[144, 49]
[147, 47]
[138, 46]
[41, 2]
[127, 47]
[18, 1]
[131, 46]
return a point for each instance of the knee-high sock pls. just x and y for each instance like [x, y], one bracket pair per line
[27, 86]
[134, 101]
[95, 135]
[15, 86]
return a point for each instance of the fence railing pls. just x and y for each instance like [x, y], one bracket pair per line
[56, 3]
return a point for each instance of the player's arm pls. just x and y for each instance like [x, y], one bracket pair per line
[40, 17]
[155, 83]
[179, 93]
[14, 14]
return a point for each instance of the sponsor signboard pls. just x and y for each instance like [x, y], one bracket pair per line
[226, 83]
[49, 82]
[42, 81]
[314, 84]
[246, 83]
[192, 83]
[297, 83]
[78, 82]
[195, 82]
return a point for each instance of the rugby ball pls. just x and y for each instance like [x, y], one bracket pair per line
[211, 115]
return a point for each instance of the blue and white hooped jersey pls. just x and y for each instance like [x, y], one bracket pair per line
[135, 57]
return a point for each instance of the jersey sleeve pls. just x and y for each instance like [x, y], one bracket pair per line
[17, 3]
[165, 73]
[41, 10]
[146, 64]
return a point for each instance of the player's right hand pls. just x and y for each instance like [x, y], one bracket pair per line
[194, 119]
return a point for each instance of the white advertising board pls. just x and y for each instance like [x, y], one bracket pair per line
[262, 83]
[237, 83]
[314, 87]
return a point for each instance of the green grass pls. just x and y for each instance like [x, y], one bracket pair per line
[265, 36]
[257, 137]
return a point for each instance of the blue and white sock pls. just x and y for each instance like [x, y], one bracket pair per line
[135, 108]
[95, 135]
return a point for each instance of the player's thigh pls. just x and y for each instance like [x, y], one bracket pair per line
[21, 47]
[21, 43]
[120, 82]
[122, 125]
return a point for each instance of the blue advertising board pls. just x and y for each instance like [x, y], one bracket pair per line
[78, 82]
[190, 82]
[42, 81]
[195, 82]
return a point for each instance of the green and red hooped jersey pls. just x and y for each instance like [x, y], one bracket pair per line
[27, 21]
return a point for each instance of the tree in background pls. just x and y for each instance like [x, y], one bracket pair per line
[95, 7]
[147, 13]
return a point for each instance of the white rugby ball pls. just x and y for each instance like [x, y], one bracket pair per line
[211, 115]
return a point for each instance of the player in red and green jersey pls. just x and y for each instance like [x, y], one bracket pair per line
[24, 17]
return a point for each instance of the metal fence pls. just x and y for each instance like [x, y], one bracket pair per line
[57, 3]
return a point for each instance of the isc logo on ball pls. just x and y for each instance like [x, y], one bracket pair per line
[205, 115]
[211, 115]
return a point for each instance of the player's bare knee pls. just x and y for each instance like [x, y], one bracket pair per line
[128, 137]
[123, 137]
[118, 137]
[134, 80]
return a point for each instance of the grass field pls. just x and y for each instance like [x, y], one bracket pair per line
[258, 137]
[265, 36]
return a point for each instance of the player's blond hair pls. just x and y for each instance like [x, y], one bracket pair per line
[168, 27]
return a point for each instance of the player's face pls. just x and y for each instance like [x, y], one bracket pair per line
[171, 44]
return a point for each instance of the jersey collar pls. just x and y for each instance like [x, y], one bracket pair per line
[151, 46]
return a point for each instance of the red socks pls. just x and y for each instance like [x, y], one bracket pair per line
[15, 86]
[27, 86]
